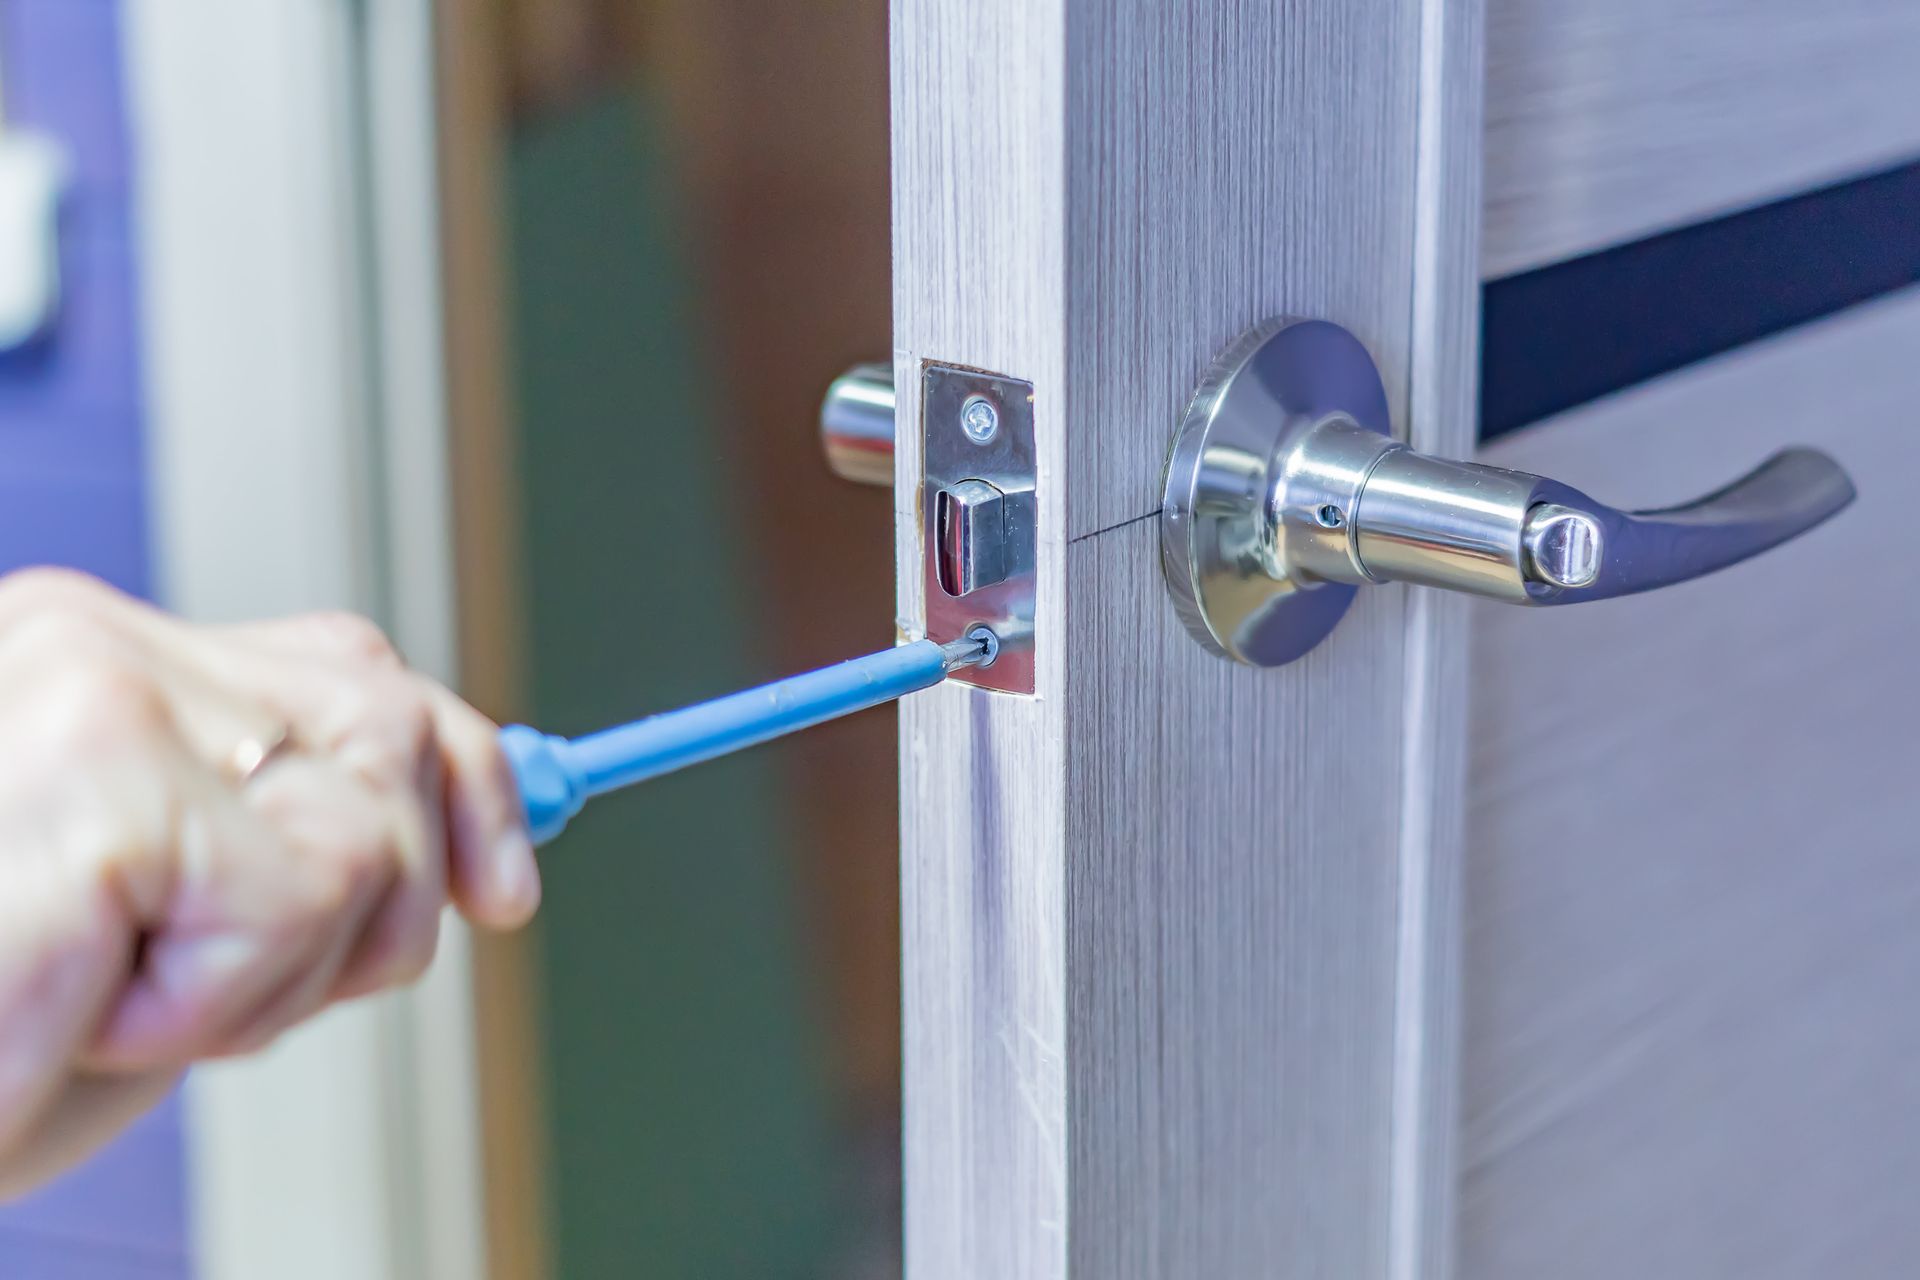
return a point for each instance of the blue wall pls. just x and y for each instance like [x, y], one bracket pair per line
[72, 491]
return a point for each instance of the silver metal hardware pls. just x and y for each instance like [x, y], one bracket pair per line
[978, 648]
[971, 537]
[988, 642]
[1284, 494]
[1564, 547]
[977, 508]
[857, 427]
[977, 501]
[979, 419]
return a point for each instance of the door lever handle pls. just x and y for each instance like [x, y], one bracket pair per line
[1578, 549]
[1284, 494]
[1525, 539]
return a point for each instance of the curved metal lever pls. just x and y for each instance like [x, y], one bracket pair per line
[1284, 494]
[1525, 539]
[1778, 500]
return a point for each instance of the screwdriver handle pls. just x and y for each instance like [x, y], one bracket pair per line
[557, 776]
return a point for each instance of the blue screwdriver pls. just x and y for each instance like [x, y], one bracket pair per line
[557, 776]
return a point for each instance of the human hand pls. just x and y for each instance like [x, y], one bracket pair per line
[208, 835]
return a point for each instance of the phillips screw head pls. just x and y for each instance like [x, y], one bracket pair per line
[980, 419]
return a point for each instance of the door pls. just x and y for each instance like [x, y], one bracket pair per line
[1219, 970]
[1179, 934]
[1691, 878]
[285, 213]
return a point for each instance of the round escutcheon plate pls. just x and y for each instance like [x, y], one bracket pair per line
[1224, 521]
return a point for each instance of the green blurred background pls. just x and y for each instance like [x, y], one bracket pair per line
[696, 227]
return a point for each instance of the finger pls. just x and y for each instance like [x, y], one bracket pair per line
[67, 949]
[249, 911]
[393, 730]
[398, 948]
[328, 679]
[336, 683]
[373, 718]
[380, 837]
[378, 721]
[338, 637]
[64, 625]
[29, 594]
[229, 947]
[341, 690]
[403, 931]
[493, 875]
[80, 618]
[149, 832]
[86, 851]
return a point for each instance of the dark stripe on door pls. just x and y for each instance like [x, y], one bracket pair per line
[1564, 334]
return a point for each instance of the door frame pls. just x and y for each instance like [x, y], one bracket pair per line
[297, 326]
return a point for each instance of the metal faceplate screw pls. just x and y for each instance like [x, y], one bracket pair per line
[985, 636]
[979, 419]
[1564, 546]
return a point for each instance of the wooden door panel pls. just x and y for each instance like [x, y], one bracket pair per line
[1168, 925]
[1609, 122]
[1693, 867]
[1180, 937]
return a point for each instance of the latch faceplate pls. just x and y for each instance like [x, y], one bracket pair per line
[977, 517]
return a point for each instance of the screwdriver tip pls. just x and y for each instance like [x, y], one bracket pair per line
[978, 648]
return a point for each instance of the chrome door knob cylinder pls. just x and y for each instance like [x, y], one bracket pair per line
[857, 426]
[1284, 494]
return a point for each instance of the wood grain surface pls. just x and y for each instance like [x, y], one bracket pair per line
[1157, 1021]
[1609, 122]
[1694, 877]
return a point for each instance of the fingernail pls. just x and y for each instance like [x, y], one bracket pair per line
[516, 880]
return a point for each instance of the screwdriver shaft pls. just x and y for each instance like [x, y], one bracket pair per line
[558, 776]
